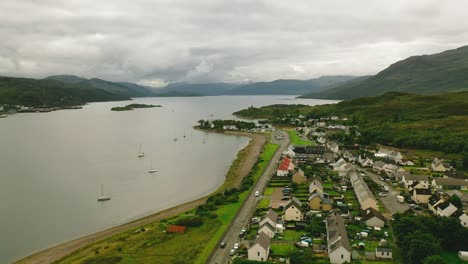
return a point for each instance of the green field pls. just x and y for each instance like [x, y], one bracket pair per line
[281, 249]
[268, 191]
[297, 140]
[157, 246]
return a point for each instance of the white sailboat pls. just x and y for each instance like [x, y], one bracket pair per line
[152, 170]
[140, 153]
[175, 136]
[103, 197]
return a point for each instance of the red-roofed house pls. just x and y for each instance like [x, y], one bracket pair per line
[285, 167]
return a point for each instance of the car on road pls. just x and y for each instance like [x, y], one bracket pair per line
[380, 178]
[257, 194]
[222, 245]
[382, 194]
[236, 246]
[232, 252]
[242, 233]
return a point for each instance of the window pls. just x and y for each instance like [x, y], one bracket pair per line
[342, 256]
[258, 253]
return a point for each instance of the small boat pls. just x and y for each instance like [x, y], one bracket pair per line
[152, 170]
[140, 153]
[103, 197]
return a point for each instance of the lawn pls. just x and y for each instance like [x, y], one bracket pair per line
[281, 249]
[292, 235]
[298, 140]
[268, 191]
[264, 203]
[452, 257]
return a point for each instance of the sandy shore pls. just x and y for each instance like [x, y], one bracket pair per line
[241, 167]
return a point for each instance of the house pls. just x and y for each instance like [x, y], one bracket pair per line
[319, 202]
[339, 249]
[329, 157]
[315, 186]
[383, 253]
[409, 179]
[230, 127]
[271, 217]
[260, 248]
[345, 170]
[378, 166]
[373, 218]
[393, 169]
[421, 196]
[440, 206]
[333, 146]
[389, 154]
[364, 194]
[407, 163]
[464, 219]
[321, 140]
[292, 211]
[285, 167]
[289, 153]
[449, 183]
[349, 156]
[438, 166]
[299, 177]
[338, 165]
[267, 229]
[365, 162]
[416, 185]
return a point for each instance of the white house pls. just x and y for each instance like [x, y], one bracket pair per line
[267, 229]
[378, 166]
[285, 167]
[449, 183]
[409, 179]
[365, 162]
[464, 220]
[421, 195]
[260, 248]
[315, 186]
[271, 217]
[383, 253]
[389, 154]
[292, 211]
[333, 146]
[339, 249]
[373, 218]
[445, 209]
[439, 166]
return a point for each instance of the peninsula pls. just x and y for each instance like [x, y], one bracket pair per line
[132, 106]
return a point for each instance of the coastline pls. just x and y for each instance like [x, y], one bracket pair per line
[240, 167]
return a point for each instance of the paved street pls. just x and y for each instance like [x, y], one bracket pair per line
[390, 201]
[221, 255]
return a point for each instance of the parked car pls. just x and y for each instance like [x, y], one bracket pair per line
[257, 194]
[242, 233]
[382, 194]
[256, 220]
[302, 244]
[222, 245]
[232, 252]
[236, 246]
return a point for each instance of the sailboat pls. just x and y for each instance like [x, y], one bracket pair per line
[103, 197]
[152, 170]
[184, 134]
[140, 153]
[175, 136]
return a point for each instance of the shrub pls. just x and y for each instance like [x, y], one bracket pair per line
[190, 221]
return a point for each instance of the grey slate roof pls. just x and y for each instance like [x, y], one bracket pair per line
[416, 177]
[272, 215]
[336, 233]
[370, 213]
[294, 201]
[263, 240]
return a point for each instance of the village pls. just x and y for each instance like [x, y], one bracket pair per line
[335, 203]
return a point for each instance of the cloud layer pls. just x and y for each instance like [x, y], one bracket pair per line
[155, 42]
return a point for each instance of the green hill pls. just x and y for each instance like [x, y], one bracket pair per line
[426, 74]
[436, 122]
[50, 93]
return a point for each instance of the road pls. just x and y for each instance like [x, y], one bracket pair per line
[390, 201]
[221, 255]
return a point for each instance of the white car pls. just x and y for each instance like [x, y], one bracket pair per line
[236, 246]
[232, 252]
[382, 194]
[257, 194]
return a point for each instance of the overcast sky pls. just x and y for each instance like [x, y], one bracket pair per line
[157, 41]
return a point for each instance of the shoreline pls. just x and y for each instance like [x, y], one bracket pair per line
[247, 155]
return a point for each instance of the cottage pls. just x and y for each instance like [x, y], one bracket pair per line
[449, 183]
[299, 177]
[389, 154]
[383, 253]
[378, 166]
[464, 220]
[285, 167]
[338, 165]
[373, 218]
[441, 207]
[333, 146]
[319, 202]
[409, 179]
[267, 229]
[439, 166]
[260, 248]
[339, 249]
[349, 156]
[292, 211]
[230, 127]
[364, 195]
[421, 196]
[365, 162]
[271, 217]
[315, 186]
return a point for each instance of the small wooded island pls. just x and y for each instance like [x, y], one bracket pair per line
[132, 106]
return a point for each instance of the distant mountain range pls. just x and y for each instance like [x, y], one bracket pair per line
[277, 87]
[438, 73]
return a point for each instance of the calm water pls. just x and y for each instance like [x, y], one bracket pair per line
[52, 165]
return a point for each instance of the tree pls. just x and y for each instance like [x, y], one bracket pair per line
[455, 200]
[434, 259]
[465, 160]
[420, 247]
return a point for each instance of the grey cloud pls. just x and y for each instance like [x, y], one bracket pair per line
[164, 41]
